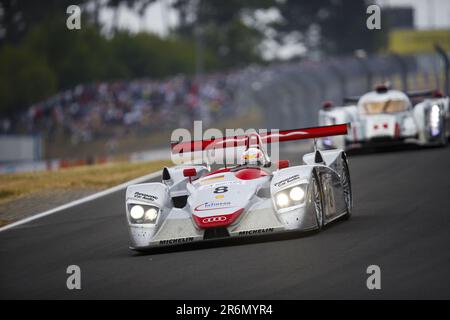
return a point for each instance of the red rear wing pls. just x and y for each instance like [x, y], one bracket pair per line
[269, 137]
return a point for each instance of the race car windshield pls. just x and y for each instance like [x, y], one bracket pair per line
[389, 106]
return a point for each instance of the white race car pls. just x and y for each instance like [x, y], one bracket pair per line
[193, 203]
[387, 116]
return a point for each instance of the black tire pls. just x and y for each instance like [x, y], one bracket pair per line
[317, 200]
[443, 138]
[347, 187]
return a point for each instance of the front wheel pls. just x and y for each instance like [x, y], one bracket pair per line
[347, 187]
[317, 197]
[443, 136]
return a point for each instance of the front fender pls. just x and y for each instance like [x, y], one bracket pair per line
[156, 194]
[300, 217]
[148, 193]
[422, 115]
[290, 176]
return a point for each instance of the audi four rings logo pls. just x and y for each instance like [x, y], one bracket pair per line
[214, 219]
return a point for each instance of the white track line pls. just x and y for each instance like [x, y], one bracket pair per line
[82, 200]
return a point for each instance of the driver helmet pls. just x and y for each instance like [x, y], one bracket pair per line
[253, 156]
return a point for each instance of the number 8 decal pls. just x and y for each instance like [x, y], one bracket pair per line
[221, 189]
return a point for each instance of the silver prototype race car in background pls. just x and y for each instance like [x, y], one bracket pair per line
[193, 203]
[387, 116]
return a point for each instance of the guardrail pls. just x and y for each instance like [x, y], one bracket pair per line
[56, 164]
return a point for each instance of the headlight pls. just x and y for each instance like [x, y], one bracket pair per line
[297, 194]
[137, 212]
[141, 214]
[290, 197]
[435, 120]
[151, 214]
[282, 200]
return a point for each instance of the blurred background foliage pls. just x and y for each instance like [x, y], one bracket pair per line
[39, 56]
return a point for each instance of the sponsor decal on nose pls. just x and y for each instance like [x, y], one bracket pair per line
[207, 206]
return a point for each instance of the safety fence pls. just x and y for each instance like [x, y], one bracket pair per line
[291, 94]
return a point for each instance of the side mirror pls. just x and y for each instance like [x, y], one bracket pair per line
[189, 172]
[282, 164]
[437, 94]
[327, 105]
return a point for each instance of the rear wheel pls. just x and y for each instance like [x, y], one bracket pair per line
[347, 187]
[317, 198]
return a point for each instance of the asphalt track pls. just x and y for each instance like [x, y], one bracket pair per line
[401, 223]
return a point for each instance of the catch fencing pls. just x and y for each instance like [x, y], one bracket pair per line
[291, 94]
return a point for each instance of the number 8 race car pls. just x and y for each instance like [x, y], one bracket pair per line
[193, 203]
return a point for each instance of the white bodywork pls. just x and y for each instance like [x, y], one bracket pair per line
[238, 202]
[425, 123]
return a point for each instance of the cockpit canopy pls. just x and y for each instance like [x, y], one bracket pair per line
[391, 101]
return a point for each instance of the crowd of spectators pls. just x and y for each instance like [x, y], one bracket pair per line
[91, 111]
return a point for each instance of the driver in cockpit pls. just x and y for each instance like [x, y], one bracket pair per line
[254, 155]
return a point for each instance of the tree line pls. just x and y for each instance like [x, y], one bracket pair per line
[39, 56]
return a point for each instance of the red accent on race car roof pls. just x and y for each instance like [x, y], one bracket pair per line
[250, 174]
[270, 137]
[217, 221]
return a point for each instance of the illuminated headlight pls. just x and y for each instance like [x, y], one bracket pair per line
[290, 197]
[296, 194]
[142, 214]
[282, 200]
[137, 212]
[151, 214]
[435, 119]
